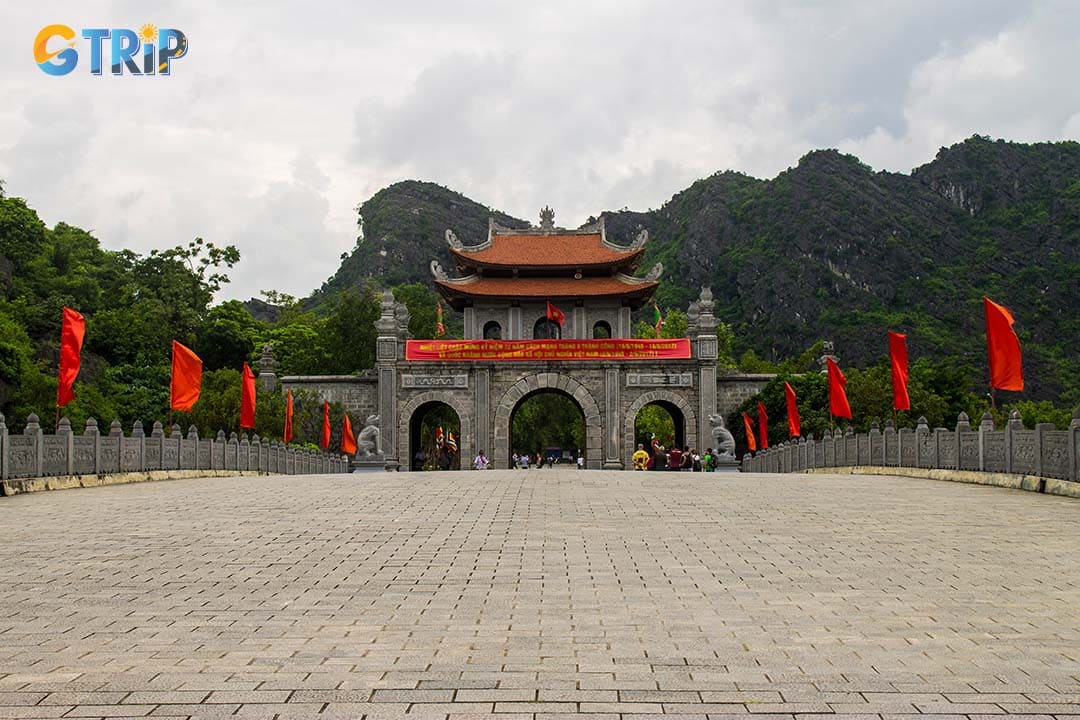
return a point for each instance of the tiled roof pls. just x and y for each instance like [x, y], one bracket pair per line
[547, 287]
[566, 250]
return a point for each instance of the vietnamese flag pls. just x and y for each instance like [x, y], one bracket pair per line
[186, 378]
[72, 332]
[554, 313]
[794, 428]
[348, 439]
[898, 360]
[325, 442]
[750, 442]
[247, 398]
[1003, 348]
[838, 402]
[287, 435]
[763, 426]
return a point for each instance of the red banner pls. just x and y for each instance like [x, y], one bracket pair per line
[524, 350]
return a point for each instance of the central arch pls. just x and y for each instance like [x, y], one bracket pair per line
[530, 384]
[466, 446]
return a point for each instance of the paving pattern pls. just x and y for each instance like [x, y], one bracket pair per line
[541, 593]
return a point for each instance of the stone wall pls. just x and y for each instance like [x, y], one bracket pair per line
[1014, 450]
[359, 394]
[733, 390]
[34, 454]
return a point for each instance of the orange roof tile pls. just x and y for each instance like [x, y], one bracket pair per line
[567, 250]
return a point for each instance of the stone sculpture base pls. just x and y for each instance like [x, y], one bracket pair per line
[369, 464]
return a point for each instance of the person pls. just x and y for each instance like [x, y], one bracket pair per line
[640, 458]
[514, 461]
[539, 460]
[419, 459]
[674, 459]
[580, 460]
[659, 458]
[687, 459]
[706, 460]
[523, 461]
[481, 462]
[695, 461]
[445, 456]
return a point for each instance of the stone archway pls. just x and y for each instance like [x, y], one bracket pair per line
[466, 441]
[548, 381]
[690, 426]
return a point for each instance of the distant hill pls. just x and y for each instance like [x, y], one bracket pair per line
[829, 249]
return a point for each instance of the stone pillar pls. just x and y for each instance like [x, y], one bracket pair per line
[624, 325]
[482, 421]
[612, 419]
[580, 322]
[388, 345]
[267, 369]
[987, 425]
[471, 332]
[513, 328]
[705, 348]
[3, 448]
[1074, 444]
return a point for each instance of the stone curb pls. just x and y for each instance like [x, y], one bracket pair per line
[19, 486]
[1030, 483]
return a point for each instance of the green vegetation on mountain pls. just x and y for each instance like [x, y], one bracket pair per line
[830, 249]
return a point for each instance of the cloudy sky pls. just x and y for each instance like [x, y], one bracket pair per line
[283, 117]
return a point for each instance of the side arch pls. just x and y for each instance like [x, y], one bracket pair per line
[549, 381]
[466, 447]
[690, 431]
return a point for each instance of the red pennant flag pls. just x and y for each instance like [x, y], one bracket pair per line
[838, 402]
[794, 428]
[554, 313]
[348, 439]
[750, 442]
[186, 378]
[898, 360]
[325, 440]
[1003, 348]
[287, 435]
[72, 332]
[763, 426]
[247, 398]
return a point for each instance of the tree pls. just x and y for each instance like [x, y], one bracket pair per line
[226, 338]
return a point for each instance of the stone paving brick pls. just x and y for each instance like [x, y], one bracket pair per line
[540, 594]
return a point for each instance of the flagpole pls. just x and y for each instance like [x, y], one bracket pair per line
[56, 423]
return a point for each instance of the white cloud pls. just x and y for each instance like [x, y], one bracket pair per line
[284, 117]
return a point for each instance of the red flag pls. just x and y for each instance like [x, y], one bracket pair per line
[750, 442]
[763, 426]
[348, 439]
[554, 313]
[287, 435]
[898, 360]
[440, 329]
[838, 403]
[325, 441]
[72, 332]
[247, 398]
[186, 378]
[438, 437]
[1003, 348]
[794, 428]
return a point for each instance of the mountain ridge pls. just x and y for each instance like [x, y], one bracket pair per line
[829, 248]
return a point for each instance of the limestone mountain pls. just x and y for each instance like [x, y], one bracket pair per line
[830, 249]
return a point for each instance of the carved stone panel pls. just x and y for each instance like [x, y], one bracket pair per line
[54, 454]
[994, 451]
[1023, 451]
[1055, 454]
[659, 379]
[411, 380]
[130, 454]
[969, 451]
[84, 455]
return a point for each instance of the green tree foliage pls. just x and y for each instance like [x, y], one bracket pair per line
[226, 338]
[545, 420]
[654, 421]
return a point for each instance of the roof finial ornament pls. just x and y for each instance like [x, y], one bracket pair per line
[452, 240]
[547, 218]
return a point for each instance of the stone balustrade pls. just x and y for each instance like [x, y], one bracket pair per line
[34, 454]
[1042, 452]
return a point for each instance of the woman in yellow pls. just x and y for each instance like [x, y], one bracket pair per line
[640, 458]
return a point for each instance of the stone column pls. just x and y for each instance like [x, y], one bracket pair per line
[624, 328]
[471, 332]
[513, 328]
[580, 322]
[386, 355]
[482, 422]
[705, 347]
[267, 369]
[612, 419]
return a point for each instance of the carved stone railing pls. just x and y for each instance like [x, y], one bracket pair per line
[34, 454]
[1042, 452]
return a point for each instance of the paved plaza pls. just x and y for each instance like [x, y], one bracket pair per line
[529, 593]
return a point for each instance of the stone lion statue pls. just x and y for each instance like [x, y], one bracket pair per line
[722, 437]
[369, 441]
